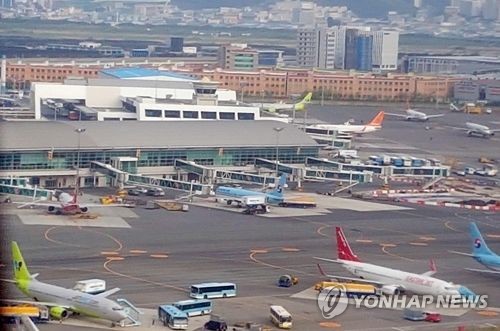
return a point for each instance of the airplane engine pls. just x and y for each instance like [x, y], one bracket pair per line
[58, 313]
[51, 209]
[390, 290]
[84, 209]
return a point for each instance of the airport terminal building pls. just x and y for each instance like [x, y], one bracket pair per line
[49, 152]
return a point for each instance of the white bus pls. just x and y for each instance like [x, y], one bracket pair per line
[280, 317]
[194, 307]
[172, 317]
[213, 290]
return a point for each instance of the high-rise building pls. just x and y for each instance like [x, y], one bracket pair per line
[317, 47]
[351, 36]
[176, 44]
[364, 50]
[385, 50]
[7, 3]
[490, 9]
[238, 57]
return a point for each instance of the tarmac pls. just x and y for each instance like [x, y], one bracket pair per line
[158, 254]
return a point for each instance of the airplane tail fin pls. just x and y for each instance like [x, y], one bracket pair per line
[278, 190]
[479, 246]
[301, 105]
[344, 251]
[20, 269]
[378, 119]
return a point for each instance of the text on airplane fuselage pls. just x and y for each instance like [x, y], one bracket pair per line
[419, 281]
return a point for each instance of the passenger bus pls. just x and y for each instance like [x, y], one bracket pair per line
[213, 290]
[173, 317]
[194, 307]
[280, 317]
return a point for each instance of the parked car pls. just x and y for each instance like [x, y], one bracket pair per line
[215, 326]
[156, 192]
[134, 192]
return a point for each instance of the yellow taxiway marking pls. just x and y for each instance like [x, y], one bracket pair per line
[115, 258]
[330, 325]
[387, 245]
[290, 249]
[419, 244]
[487, 313]
[425, 238]
[492, 235]
[367, 241]
[137, 251]
[110, 253]
[259, 251]
[159, 256]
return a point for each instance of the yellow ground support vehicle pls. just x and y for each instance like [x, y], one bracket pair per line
[351, 289]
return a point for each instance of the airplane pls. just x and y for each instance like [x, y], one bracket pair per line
[347, 128]
[474, 129]
[391, 281]
[280, 106]
[414, 115]
[67, 205]
[62, 301]
[246, 197]
[481, 253]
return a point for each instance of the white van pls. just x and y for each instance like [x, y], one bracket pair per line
[90, 286]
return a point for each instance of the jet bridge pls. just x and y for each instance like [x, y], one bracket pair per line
[341, 176]
[233, 176]
[205, 174]
[297, 172]
[118, 177]
[327, 164]
[20, 186]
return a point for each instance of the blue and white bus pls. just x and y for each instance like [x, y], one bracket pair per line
[173, 317]
[194, 307]
[213, 290]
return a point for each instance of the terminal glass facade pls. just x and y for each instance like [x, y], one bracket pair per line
[63, 160]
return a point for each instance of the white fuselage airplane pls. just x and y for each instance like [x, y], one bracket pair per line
[413, 115]
[392, 281]
[61, 301]
[479, 129]
[67, 205]
[280, 106]
[347, 128]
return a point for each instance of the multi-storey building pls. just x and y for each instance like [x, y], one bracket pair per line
[333, 85]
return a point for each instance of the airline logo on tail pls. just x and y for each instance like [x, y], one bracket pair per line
[278, 191]
[303, 102]
[477, 243]
[377, 120]
[344, 251]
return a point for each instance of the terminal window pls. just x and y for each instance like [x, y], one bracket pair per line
[190, 114]
[172, 114]
[246, 116]
[209, 115]
[226, 116]
[153, 113]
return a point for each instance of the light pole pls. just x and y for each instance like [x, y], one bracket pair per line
[79, 131]
[242, 88]
[277, 130]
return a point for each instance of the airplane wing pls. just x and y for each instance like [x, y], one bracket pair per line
[485, 271]
[461, 253]
[44, 204]
[398, 115]
[436, 115]
[352, 279]
[108, 293]
[43, 303]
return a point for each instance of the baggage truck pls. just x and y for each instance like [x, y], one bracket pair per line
[90, 286]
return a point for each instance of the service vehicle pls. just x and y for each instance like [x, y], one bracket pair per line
[213, 290]
[351, 289]
[91, 286]
[280, 317]
[172, 317]
[194, 307]
[287, 281]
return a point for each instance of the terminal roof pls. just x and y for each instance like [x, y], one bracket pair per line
[44, 135]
